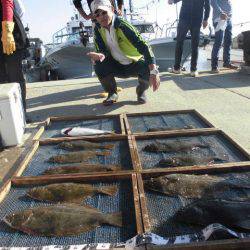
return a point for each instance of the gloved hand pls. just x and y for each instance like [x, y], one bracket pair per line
[8, 41]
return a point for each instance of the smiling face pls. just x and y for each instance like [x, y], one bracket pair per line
[104, 17]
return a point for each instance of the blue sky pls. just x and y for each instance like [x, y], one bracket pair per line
[45, 17]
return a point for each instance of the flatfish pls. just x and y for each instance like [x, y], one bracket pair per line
[190, 160]
[176, 146]
[199, 186]
[83, 145]
[205, 212]
[169, 128]
[77, 156]
[82, 168]
[68, 192]
[61, 220]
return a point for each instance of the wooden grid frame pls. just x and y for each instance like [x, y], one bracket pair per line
[174, 112]
[137, 174]
[173, 134]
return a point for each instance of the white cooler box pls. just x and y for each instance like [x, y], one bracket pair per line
[12, 120]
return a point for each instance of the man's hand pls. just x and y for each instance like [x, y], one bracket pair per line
[89, 17]
[223, 16]
[204, 24]
[154, 82]
[119, 12]
[95, 57]
[170, 1]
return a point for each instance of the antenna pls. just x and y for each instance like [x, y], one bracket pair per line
[131, 8]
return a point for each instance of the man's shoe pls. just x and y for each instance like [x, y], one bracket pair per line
[230, 66]
[106, 94]
[112, 98]
[174, 71]
[142, 99]
[194, 73]
[215, 71]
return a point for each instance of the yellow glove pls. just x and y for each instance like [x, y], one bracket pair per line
[8, 41]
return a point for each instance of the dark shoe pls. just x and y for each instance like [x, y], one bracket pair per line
[215, 71]
[112, 98]
[230, 66]
[142, 98]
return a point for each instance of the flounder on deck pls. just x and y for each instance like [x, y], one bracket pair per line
[190, 160]
[61, 220]
[83, 145]
[177, 146]
[68, 192]
[77, 156]
[82, 168]
[199, 186]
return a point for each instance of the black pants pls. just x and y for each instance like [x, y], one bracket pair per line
[107, 70]
[11, 70]
[183, 27]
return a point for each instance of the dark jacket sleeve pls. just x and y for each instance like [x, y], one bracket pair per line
[207, 9]
[135, 38]
[77, 3]
[176, 1]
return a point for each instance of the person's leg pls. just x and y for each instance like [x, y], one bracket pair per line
[216, 48]
[105, 72]
[182, 30]
[15, 72]
[141, 70]
[195, 33]
[227, 43]
[3, 75]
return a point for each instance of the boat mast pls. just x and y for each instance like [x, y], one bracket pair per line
[131, 8]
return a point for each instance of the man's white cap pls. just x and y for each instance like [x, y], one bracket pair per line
[100, 5]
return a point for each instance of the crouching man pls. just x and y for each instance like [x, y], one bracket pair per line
[121, 52]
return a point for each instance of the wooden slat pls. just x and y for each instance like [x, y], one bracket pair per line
[143, 202]
[176, 133]
[138, 214]
[96, 138]
[215, 168]
[136, 156]
[195, 112]
[134, 159]
[123, 130]
[48, 179]
[127, 125]
[4, 190]
[161, 112]
[39, 133]
[243, 151]
[26, 160]
[234, 244]
[83, 117]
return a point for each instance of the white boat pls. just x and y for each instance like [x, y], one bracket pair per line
[66, 55]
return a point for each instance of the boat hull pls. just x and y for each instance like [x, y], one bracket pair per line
[164, 51]
[70, 61]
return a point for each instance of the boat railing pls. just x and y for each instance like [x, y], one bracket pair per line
[60, 36]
